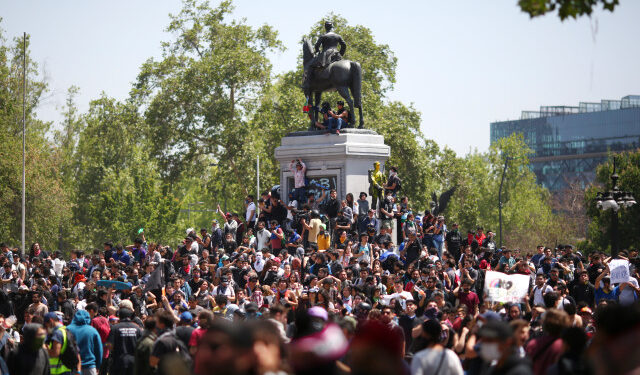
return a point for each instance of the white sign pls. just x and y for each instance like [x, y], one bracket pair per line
[500, 287]
[619, 271]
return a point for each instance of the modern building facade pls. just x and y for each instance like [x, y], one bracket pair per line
[569, 142]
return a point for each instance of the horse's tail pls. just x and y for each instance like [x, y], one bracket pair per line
[356, 84]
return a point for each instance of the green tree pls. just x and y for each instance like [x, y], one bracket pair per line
[198, 95]
[527, 216]
[566, 8]
[119, 187]
[47, 203]
[599, 230]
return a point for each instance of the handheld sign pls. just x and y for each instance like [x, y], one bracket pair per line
[619, 271]
[500, 287]
[118, 285]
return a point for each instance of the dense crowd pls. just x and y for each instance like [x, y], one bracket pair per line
[315, 285]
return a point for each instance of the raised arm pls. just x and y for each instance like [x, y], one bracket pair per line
[601, 276]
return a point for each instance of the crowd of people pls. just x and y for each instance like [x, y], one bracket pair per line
[315, 285]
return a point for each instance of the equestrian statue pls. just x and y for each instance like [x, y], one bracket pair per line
[325, 70]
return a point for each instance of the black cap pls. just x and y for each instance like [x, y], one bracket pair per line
[496, 330]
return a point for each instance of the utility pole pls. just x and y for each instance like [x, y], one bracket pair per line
[504, 171]
[24, 134]
[257, 183]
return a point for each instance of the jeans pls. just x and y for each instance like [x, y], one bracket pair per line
[299, 195]
[437, 243]
[334, 124]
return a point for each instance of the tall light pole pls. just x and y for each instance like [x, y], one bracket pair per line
[504, 171]
[614, 200]
[24, 135]
[189, 209]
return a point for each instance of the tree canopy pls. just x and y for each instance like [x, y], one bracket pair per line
[188, 136]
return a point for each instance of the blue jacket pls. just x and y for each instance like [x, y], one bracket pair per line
[88, 340]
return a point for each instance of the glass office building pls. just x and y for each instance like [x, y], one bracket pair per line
[569, 142]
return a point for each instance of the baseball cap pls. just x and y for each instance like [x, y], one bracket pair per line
[488, 316]
[496, 329]
[186, 317]
[318, 312]
[51, 316]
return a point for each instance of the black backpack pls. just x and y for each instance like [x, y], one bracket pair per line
[180, 359]
[398, 184]
[70, 356]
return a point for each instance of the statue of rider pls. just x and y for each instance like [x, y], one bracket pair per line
[330, 53]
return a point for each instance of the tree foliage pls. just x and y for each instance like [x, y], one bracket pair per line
[197, 119]
[47, 202]
[565, 8]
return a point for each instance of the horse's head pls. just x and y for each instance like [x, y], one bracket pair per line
[307, 51]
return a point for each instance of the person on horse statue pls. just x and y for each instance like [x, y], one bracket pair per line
[330, 53]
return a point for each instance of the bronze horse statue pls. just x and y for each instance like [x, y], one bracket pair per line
[340, 76]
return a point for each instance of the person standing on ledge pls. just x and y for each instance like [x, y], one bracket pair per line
[376, 183]
[299, 185]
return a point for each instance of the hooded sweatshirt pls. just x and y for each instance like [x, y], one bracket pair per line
[29, 358]
[88, 340]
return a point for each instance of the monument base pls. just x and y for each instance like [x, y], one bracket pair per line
[338, 162]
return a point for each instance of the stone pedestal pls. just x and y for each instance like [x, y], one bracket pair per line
[333, 161]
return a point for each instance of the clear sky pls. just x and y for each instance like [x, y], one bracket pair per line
[463, 64]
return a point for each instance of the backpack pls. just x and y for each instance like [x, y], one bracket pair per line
[69, 353]
[398, 184]
[181, 355]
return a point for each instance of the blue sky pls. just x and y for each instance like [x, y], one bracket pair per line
[463, 64]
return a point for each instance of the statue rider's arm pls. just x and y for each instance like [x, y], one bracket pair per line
[343, 47]
[316, 48]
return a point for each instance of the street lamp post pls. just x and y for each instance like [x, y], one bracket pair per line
[189, 209]
[504, 171]
[614, 200]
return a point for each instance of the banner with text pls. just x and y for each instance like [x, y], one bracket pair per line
[619, 271]
[500, 287]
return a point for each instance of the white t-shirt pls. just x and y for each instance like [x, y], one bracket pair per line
[294, 205]
[538, 294]
[262, 238]
[250, 208]
[627, 296]
[58, 265]
[428, 360]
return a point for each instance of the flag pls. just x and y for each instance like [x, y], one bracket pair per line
[156, 280]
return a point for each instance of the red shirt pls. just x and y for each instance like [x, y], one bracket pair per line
[544, 353]
[101, 324]
[469, 299]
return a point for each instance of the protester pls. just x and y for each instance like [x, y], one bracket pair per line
[320, 287]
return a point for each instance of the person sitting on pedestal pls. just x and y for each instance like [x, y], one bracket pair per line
[332, 122]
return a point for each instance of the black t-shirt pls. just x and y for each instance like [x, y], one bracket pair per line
[123, 338]
[412, 252]
[183, 333]
[381, 239]
[333, 205]
[394, 179]
[195, 285]
[279, 213]
[408, 324]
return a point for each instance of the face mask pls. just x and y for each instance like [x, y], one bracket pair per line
[38, 342]
[50, 330]
[489, 351]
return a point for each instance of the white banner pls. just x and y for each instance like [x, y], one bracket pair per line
[500, 287]
[619, 271]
